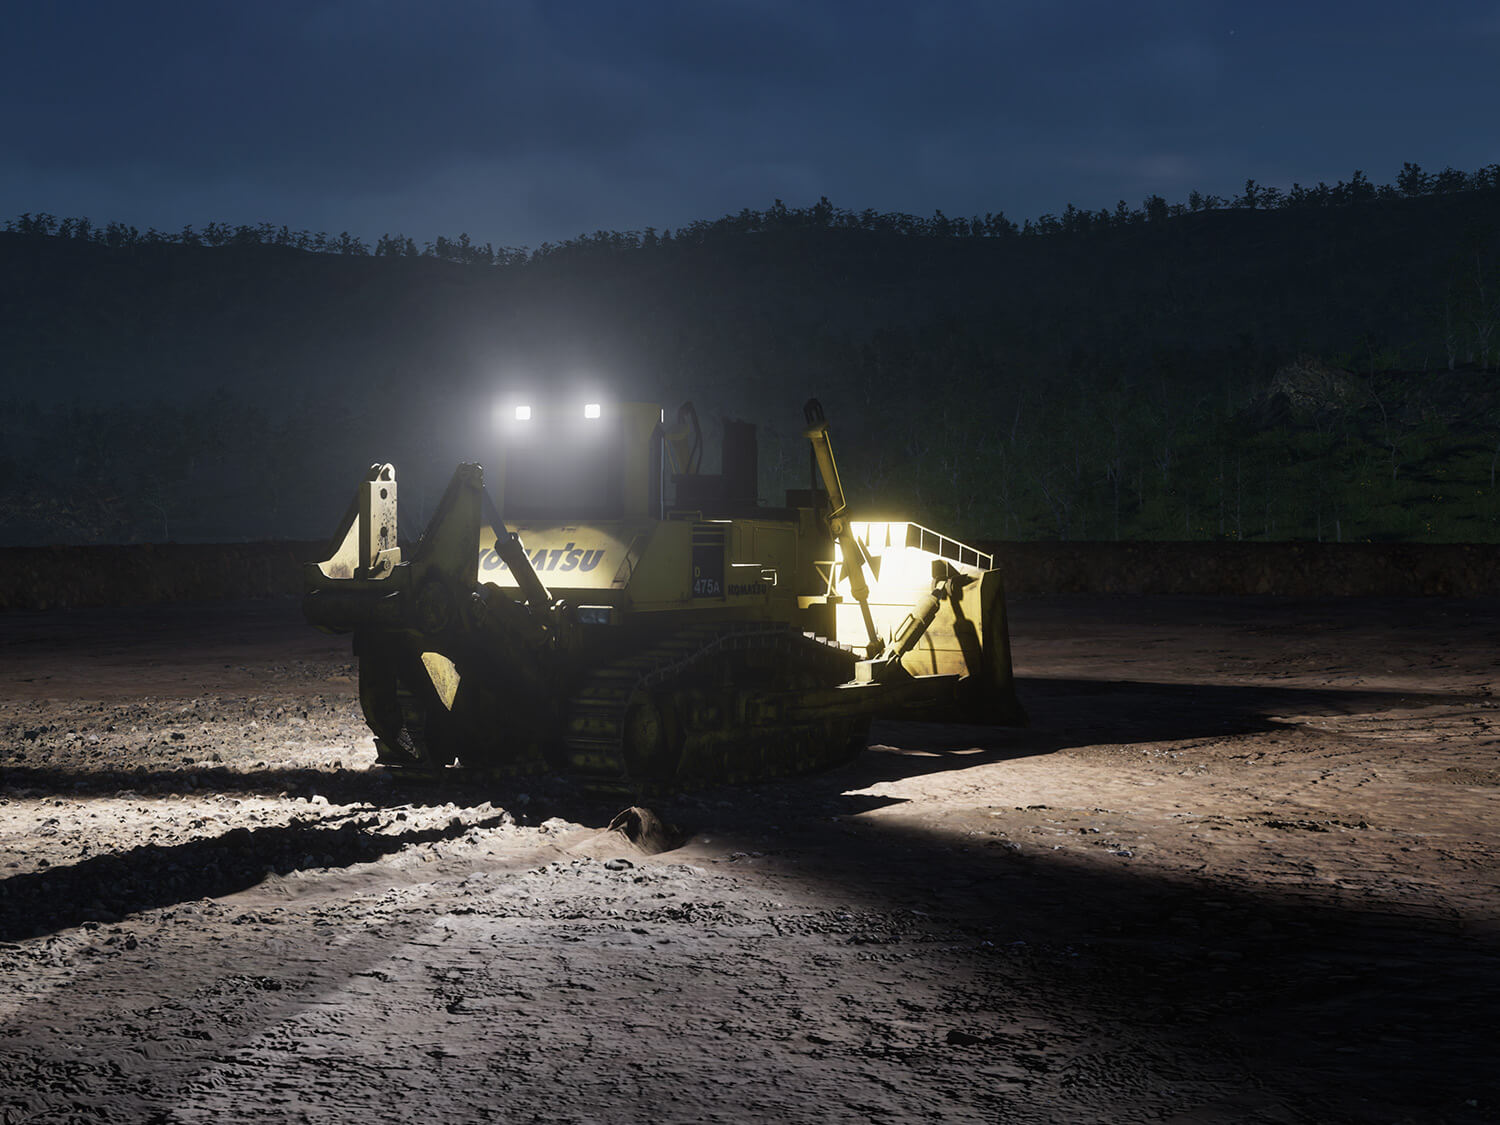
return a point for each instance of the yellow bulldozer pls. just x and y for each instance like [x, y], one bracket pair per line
[625, 619]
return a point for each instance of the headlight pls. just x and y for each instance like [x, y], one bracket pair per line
[591, 410]
[523, 414]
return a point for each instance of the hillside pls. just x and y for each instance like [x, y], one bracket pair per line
[1263, 370]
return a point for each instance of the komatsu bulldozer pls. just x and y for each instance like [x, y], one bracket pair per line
[626, 619]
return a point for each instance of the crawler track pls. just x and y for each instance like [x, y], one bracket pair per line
[701, 707]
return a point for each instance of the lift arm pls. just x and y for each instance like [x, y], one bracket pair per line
[838, 526]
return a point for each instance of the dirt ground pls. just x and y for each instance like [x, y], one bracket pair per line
[1243, 867]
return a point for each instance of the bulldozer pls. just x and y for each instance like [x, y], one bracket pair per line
[627, 620]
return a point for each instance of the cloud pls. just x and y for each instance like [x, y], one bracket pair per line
[519, 121]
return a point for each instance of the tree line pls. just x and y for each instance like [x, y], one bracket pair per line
[1124, 375]
[1412, 183]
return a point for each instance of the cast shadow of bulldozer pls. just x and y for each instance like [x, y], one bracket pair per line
[1066, 713]
[105, 888]
[1069, 712]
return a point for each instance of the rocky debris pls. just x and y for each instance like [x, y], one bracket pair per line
[1308, 385]
[646, 831]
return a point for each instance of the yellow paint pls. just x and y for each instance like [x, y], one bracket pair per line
[444, 676]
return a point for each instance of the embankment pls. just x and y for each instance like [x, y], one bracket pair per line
[62, 577]
[1299, 570]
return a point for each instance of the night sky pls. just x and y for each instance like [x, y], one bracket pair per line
[524, 122]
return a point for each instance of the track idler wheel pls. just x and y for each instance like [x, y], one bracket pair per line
[649, 739]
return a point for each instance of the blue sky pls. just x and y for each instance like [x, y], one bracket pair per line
[524, 122]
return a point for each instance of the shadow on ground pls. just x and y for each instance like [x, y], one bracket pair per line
[1066, 713]
[1311, 1004]
[1330, 1009]
[1300, 1003]
[107, 887]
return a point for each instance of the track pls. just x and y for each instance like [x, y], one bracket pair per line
[701, 706]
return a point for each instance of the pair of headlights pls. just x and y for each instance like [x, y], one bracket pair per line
[590, 410]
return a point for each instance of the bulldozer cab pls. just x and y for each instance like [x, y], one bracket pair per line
[589, 461]
[620, 461]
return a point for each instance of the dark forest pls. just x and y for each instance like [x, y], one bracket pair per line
[1314, 364]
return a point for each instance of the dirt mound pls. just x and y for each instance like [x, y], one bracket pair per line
[73, 577]
[147, 573]
[1307, 384]
[1296, 570]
